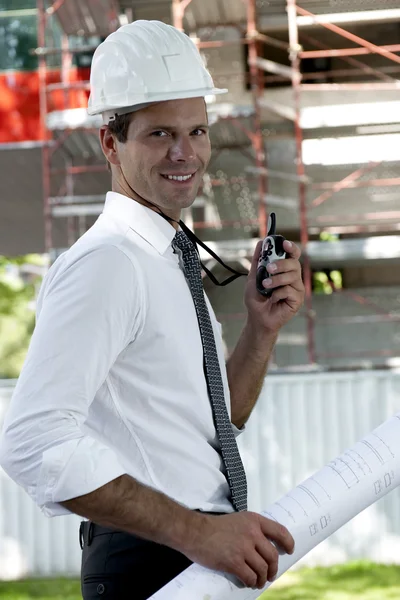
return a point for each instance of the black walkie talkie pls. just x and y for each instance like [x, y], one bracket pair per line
[271, 250]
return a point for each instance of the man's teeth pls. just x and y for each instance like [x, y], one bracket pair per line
[179, 177]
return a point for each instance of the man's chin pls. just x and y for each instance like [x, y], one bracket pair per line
[182, 200]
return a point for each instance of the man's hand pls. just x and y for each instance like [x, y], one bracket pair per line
[287, 287]
[239, 544]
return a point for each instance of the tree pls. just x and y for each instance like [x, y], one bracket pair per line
[19, 283]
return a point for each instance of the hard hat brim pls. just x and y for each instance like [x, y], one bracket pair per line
[109, 112]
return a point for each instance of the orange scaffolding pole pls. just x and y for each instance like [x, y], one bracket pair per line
[339, 52]
[304, 238]
[257, 137]
[347, 182]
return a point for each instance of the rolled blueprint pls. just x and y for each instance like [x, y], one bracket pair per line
[311, 512]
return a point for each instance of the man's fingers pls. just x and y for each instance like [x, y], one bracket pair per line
[278, 533]
[288, 294]
[270, 554]
[292, 249]
[289, 279]
[256, 562]
[247, 576]
[284, 265]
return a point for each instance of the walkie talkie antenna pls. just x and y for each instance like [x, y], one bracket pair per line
[271, 228]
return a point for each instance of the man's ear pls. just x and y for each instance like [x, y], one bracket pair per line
[109, 145]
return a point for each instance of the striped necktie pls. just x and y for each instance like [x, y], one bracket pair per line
[235, 473]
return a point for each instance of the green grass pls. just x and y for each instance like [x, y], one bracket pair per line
[353, 581]
[41, 589]
[356, 580]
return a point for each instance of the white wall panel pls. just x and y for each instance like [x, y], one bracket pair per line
[301, 422]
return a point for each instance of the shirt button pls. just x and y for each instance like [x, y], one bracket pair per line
[101, 589]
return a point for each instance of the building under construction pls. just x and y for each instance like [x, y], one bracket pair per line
[310, 129]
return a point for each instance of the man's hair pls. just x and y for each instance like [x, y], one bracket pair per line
[119, 127]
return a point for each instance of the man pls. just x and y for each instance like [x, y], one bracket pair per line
[125, 412]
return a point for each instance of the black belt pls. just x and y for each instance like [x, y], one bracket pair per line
[89, 530]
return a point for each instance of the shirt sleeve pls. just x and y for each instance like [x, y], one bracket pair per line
[90, 311]
[236, 430]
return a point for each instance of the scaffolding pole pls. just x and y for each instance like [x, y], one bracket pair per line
[296, 85]
[257, 136]
[62, 95]
[340, 52]
[42, 72]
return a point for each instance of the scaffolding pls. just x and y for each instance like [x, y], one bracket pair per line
[93, 19]
[98, 18]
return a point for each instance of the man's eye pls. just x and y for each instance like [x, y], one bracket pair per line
[159, 133]
[199, 132]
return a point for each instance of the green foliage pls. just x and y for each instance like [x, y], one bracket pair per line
[17, 316]
[324, 283]
[325, 236]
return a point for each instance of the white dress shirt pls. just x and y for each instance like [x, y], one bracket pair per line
[113, 381]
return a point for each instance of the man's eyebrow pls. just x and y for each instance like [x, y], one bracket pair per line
[156, 127]
[202, 126]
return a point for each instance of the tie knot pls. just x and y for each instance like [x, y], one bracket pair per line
[182, 241]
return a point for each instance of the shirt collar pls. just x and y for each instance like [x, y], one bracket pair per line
[146, 222]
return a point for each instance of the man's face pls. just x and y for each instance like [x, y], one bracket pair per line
[167, 153]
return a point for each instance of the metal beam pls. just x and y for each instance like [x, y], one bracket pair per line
[357, 217]
[273, 67]
[274, 200]
[71, 85]
[221, 43]
[339, 52]
[178, 12]
[394, 181]
[77, 210]
[287, 112]
[272, 41]
[359, 16]
[383, 74]
[366, 87]
[15, 14]
[350, 36]
[351, 61]
[340, 185]
[76, 200]
[43, 51]
[277, 174]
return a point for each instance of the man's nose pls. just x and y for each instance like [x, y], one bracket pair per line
[182, 149]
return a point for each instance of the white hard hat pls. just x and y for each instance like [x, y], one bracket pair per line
[143, 63]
